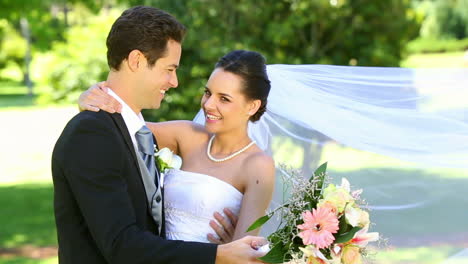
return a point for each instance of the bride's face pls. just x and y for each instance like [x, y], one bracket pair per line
[223, 103]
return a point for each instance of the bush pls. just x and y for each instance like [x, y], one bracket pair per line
[13, 50]
[421, 45]
[72, 66]
[358, 32]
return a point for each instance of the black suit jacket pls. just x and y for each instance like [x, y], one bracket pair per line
[100, 205]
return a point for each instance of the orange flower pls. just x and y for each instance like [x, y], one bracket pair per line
[351, 255]
[314, 260]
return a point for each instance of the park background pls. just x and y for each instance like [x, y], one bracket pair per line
[51, 50]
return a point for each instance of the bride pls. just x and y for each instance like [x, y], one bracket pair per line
[416, 118]
[222, 166]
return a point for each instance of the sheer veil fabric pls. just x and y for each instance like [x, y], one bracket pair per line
[399, 134]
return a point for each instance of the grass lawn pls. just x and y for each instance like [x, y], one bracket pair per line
[27, 225]
[436, 60]
[16, 260]
[14, 96]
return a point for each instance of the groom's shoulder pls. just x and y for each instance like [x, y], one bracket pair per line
[89, 117]
[88, 120]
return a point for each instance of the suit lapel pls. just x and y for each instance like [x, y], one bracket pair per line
[158, 172]
[118, 119]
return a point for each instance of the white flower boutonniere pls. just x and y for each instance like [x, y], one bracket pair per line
[167, 160]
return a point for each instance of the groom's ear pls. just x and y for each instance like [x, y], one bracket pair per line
[134, 60]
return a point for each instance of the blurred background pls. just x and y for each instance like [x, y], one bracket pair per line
[52, 50]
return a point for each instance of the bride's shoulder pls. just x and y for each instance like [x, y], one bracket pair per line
[191, 134]
[182, 126]
[260, 163]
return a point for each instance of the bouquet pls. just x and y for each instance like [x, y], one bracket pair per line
[319, 225]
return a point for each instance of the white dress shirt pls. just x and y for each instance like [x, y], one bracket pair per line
[133, 121]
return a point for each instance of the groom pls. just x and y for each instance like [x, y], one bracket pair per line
[107, 198]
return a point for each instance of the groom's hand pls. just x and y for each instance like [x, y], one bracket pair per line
[241, 251]
[225, 231]
[96, 98]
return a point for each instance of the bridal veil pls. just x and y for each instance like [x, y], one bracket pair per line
[399, 134]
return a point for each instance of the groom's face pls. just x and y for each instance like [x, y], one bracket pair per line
[155, 81]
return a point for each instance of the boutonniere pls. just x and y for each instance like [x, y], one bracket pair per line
[166, 159]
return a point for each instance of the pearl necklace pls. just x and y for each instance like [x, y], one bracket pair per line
[208, 149]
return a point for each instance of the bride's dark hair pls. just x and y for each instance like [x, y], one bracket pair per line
[250, 66]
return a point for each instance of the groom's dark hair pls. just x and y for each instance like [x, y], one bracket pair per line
[142, 28]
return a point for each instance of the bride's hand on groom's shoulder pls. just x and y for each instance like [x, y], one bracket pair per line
[96, 98]
[224, 227]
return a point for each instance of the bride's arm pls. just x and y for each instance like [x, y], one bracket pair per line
[260, 179]
[96, 98]
[168, 134]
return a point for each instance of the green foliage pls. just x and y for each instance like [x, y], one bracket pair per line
[421, 45]
[285, 240]
[48, 19]
[30, 220]
[347, 236]
[320, 173]
[356, 32]
[12, 45]
[72, 66]
[259, 222]
[444, 19]
[349, 32]
[275, 255]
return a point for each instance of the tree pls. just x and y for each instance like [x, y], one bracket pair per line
[40, 23]
[341, 32]
[447, 19]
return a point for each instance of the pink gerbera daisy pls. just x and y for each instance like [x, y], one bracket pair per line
[318, 227]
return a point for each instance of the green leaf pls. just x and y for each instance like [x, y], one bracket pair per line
[275, 255]
[343, 225]
[321, 169]
[259, 222]
[320, 173]
[345, 237]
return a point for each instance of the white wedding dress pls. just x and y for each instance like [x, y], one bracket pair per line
[190, 199]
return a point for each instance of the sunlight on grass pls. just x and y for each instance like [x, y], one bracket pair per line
[341, 159]
[17, 260]
[420, 255]
[435, 60]
[17, 239]
[26, 153]
[30, 215]
[14, 96]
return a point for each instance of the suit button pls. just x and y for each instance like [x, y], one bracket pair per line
[158, 199]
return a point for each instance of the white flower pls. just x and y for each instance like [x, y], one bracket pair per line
[176, 162]
[165, 155]
[167, 160]
[357, 217]
[345, 184]
[352, 215]
[361, 238]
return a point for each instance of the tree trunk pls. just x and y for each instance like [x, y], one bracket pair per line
[26, 32]
[65, 13]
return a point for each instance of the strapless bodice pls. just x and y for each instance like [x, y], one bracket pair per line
[190, 199]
